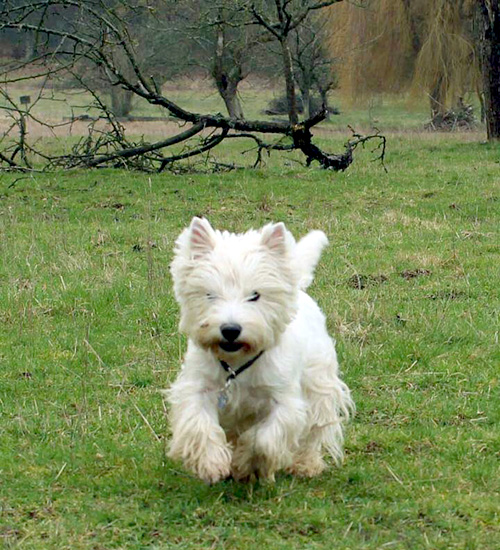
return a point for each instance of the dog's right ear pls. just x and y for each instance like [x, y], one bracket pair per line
[201, 239]
[274, 237]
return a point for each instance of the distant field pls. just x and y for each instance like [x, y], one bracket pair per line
[88, 335]
[56, 105]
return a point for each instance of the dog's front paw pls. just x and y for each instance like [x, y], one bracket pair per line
[215, 465]
[213, 473]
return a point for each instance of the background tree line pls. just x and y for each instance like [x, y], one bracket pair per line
[173, 38]
[131, 48]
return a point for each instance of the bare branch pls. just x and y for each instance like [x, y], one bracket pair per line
[209, 144]
[135, 151]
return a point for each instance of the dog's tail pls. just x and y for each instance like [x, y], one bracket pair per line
[307, 253]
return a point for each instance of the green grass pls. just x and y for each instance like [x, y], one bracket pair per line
[88, 336]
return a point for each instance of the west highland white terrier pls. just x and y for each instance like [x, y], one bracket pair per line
[259, 390]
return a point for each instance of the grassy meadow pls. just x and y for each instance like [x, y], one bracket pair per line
[88, 328]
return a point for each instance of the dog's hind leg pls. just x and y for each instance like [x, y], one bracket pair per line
[330, 406]
[307, 460]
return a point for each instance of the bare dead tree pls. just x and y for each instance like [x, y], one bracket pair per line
[69, 34]
[313, 63]
[227, 46]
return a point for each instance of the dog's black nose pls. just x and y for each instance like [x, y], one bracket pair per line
[230, 331]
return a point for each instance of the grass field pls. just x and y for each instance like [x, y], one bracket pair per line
[88, 337]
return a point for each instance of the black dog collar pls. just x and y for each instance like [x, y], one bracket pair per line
[234, 373]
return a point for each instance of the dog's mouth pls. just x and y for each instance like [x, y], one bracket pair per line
[230, 347]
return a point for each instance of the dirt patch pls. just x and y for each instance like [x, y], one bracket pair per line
[447, 295]
[413, 273]
[373, 447]
[359, 282]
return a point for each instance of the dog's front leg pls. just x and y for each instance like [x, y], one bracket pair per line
[269, 445]
[197, 437]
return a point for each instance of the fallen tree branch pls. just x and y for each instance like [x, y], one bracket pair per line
[209, 144]
[262, 146]
[140, 150]
[10, 162]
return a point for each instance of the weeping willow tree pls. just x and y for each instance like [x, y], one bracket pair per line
[393, 46]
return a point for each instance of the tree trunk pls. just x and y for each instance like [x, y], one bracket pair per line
[227, 73]
[121, 101]
[306, 102]
[436, 99]
[489, 46]
[323, 94]
[233, 106]
[228, 90]
[291, 97]
[29, 46]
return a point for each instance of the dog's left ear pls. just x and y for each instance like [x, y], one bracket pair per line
[274, 237]
[201, 237]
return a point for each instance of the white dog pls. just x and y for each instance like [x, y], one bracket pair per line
[259, 390]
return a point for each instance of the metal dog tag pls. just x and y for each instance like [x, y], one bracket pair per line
[222, 399]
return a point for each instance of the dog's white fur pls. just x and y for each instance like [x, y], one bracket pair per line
[290, 404]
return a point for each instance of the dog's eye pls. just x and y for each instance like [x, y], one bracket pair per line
[254, 297]
[210, 296]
